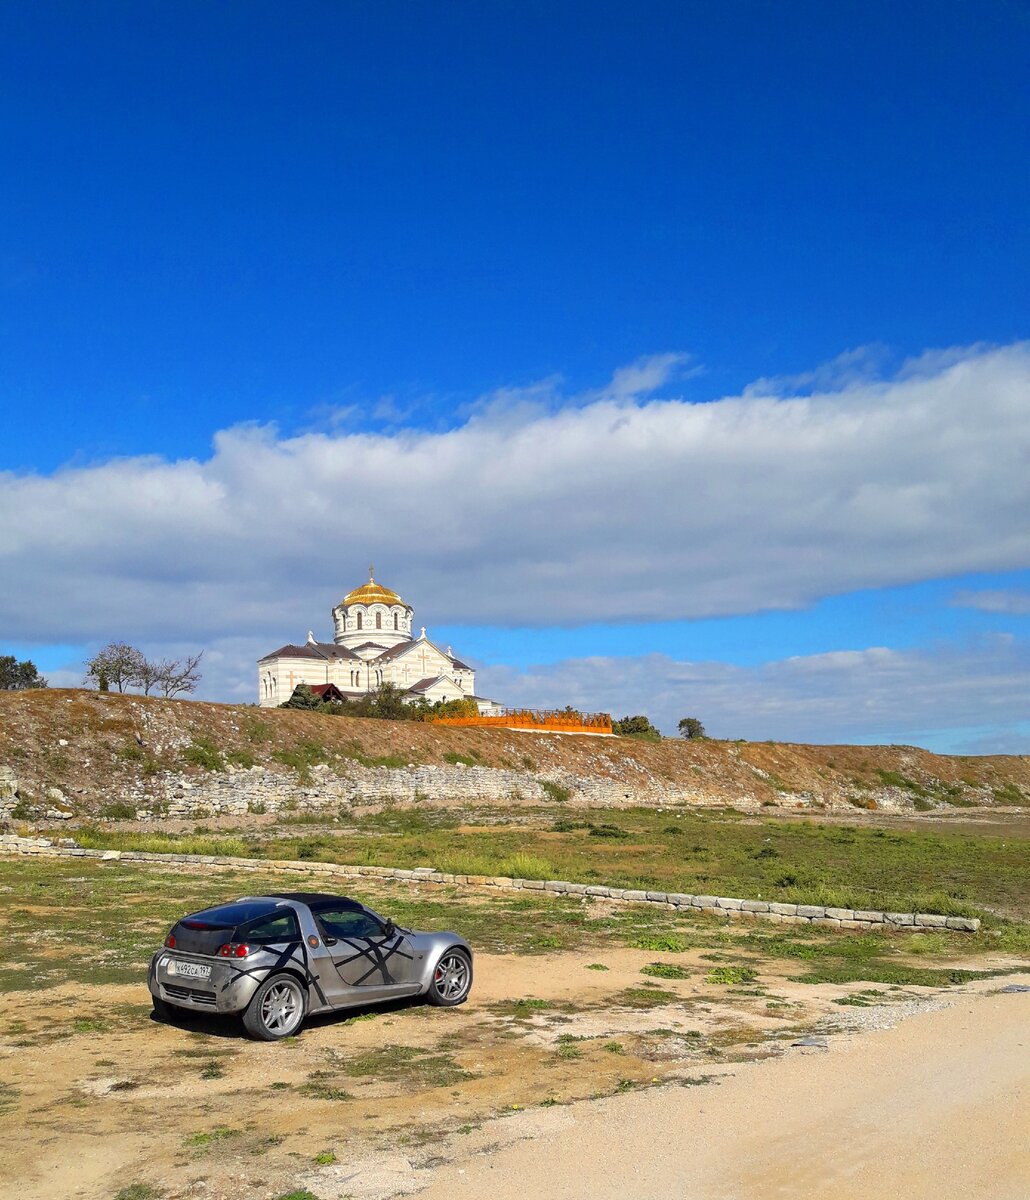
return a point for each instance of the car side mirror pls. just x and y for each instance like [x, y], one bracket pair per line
[389, 929]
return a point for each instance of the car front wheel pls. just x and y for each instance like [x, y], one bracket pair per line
[277, 1009]
[452, 979]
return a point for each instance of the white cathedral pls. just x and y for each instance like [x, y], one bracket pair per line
[372, 645]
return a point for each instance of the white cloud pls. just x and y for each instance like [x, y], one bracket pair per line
[1014, 602]
[845, 696]
[534, 512]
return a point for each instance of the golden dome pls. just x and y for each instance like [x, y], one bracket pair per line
[372, 593]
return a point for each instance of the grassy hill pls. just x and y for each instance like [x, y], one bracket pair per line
[92, 746]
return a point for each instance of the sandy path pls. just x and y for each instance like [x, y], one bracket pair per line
[940, 1104]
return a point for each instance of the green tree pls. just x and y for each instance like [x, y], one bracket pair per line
[19, 676]
[303, 697]
[691, 727]
[637, 727]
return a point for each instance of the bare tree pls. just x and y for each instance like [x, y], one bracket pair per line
[150, 675]
[117, 665]
[175, 678]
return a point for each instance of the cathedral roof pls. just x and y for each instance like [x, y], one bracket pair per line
[372, 593]
[312, 650]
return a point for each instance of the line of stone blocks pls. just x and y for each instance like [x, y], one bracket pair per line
[729, 907]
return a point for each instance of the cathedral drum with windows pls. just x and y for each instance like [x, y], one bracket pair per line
[372, 645]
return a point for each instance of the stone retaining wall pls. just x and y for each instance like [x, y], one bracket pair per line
[236, 791]
[719, 906]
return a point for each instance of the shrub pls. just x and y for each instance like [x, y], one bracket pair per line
[607, 831]
[557, 793]
[118, 811]
[1008, 793]
[202, 752]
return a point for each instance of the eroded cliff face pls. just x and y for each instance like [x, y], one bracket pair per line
[83, 754]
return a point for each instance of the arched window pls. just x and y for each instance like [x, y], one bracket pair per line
[359, 620]
[396, 623]
[379, 620]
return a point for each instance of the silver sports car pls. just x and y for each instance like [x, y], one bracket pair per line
[274, 959]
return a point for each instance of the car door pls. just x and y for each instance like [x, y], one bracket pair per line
[367, 963]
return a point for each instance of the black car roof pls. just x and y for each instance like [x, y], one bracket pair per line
[317, 899]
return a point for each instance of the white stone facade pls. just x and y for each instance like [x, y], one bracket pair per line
[372, 645]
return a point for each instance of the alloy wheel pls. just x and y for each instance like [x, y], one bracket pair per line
[281, 1008]
[452, 976]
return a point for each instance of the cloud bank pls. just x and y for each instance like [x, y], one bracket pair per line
[861, 695]
[540, 509]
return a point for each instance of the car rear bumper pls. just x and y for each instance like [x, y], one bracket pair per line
[226, 990]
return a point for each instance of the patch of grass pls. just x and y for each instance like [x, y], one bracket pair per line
[528, 1004]
[202, 752]
[8, 1097]
[302, 757]
[318, 1090]
[528, 866]
[608, 831]
[596, 967]
[91, 1025]
[566, 1050]
[665, 942]
[357, 754]
[325, 1158]
[221, 1133]
[241, 758]
[643, 997]
[614, 1047]
[877, 972]
[556, 791]
[730, 976]
[662, 970]
[118, 810]
[213, 1070]
[298, 1194]
[408, 1064]
[1009, 793]
[458, 760]
[929, 869]
[139, 1191]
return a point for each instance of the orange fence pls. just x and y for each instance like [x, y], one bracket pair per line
[557, 721]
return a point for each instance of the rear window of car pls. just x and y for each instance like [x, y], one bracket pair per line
[229, 916]
[280, 926]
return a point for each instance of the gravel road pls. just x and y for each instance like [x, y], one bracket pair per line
[938, 1104]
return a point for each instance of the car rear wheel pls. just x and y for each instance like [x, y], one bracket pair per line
[277, 1009]
[452, 979]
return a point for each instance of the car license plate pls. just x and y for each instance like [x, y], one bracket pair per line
[192, 970]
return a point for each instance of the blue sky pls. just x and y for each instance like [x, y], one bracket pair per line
[237, 242]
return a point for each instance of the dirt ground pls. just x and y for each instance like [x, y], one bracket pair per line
[97, 1096]
[937, 1105]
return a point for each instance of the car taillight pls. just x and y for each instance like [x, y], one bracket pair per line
[170, 941]
[233, 950]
